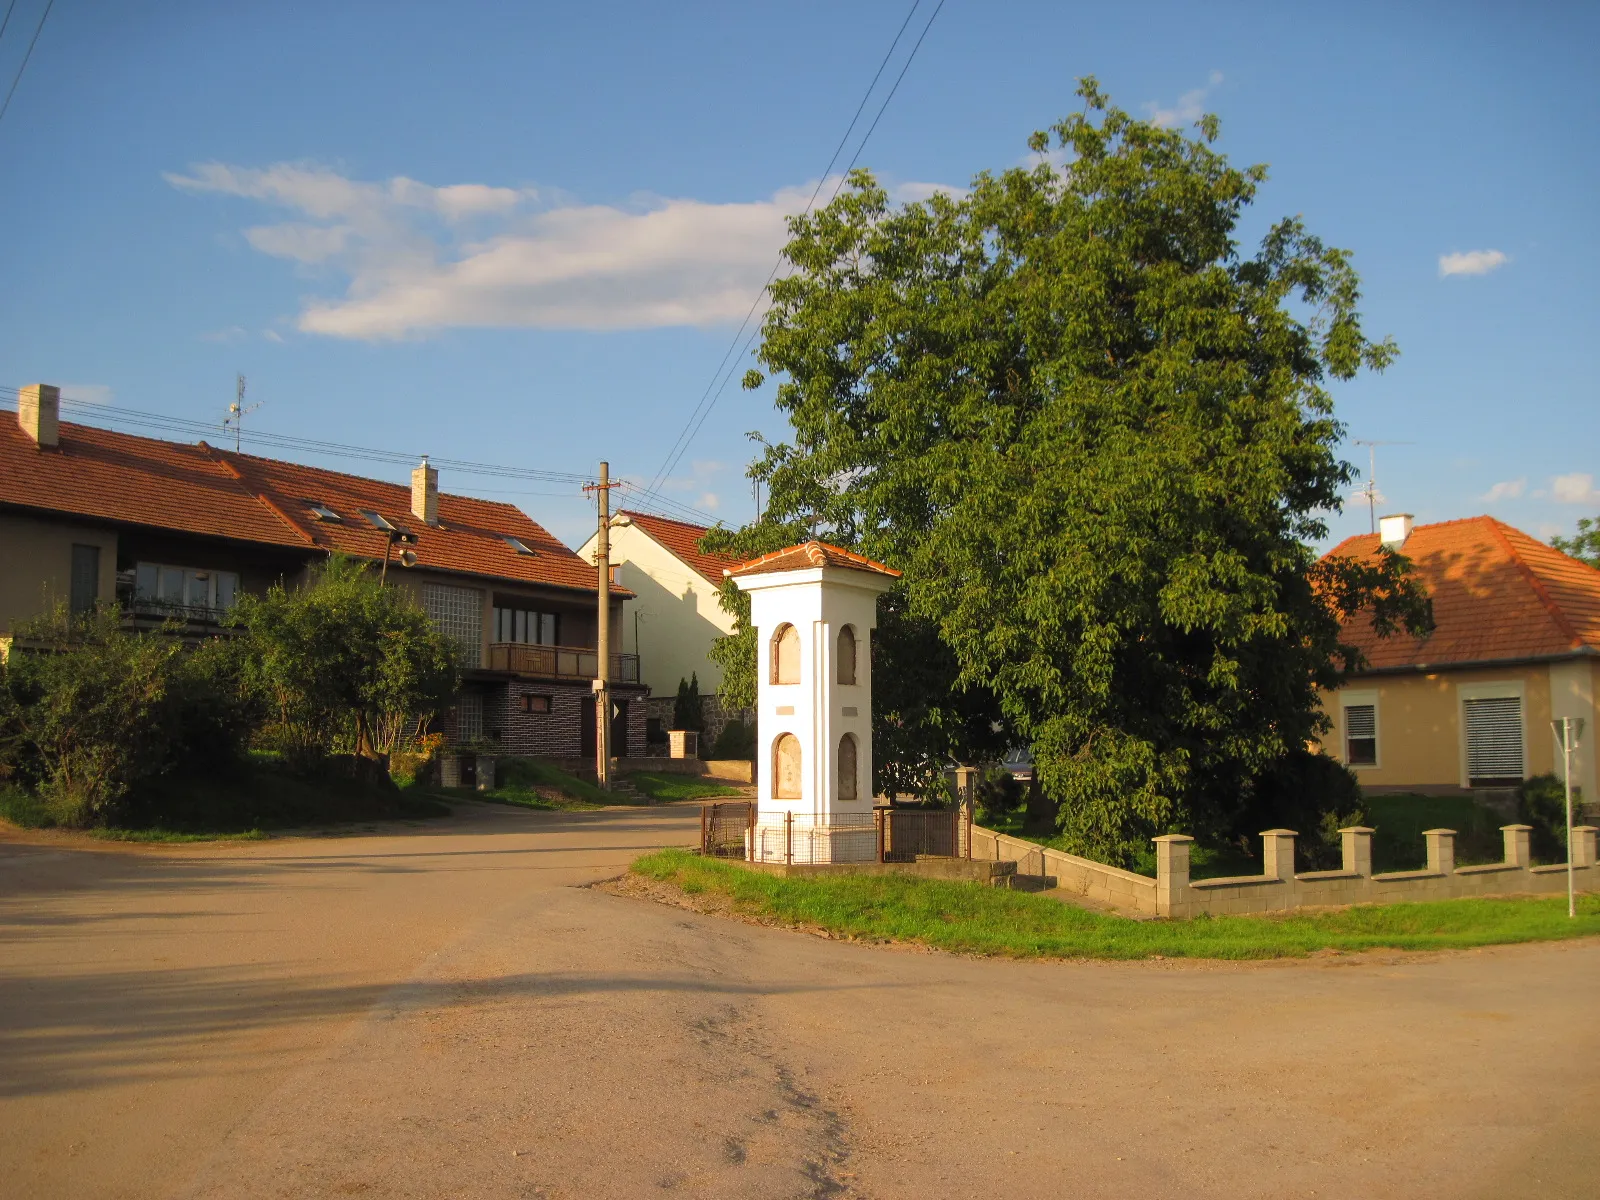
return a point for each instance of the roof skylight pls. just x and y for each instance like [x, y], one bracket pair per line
[322, 512]
[517, 544]
[378, 522]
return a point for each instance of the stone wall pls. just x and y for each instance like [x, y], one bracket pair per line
[714, 715]
[1172, 894]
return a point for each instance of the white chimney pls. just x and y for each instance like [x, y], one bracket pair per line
[425, 493]
[1393, 531]
[39, 413]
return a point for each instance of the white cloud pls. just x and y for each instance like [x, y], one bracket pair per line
[1189, 108]
[709, 501]
[272, 335]
[1576, 488]
[1509, 489]
[88, 393]
[417, 259]
[233, 333]
[1471, 262]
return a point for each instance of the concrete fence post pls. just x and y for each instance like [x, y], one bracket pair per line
[1277, 853]
[1583, 845]
[1516, 836]
[1441, 850]
[1172, 872]
[1356, 844]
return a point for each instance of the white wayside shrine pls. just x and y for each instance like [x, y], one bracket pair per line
[814, 607]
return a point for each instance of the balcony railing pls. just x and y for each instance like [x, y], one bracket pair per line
[558, 662]
[153, 614]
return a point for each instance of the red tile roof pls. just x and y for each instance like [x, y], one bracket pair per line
[200, 489]
[1497, 594]
[808, 555]
[682, 540]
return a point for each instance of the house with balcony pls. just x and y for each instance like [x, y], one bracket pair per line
[176, 532]
[1468, 709]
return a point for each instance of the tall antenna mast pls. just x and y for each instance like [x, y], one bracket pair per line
[236, 412]
[1370, 488]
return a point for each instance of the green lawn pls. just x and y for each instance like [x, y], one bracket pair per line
[528, 783]
[981, 920]
[664, 786]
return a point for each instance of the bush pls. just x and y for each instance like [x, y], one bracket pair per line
[1542, 803]
[737, 740]
[999, 794]
[1312, 794]
[92, 713]
[686, 712]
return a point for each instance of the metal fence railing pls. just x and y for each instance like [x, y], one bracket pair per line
[884, 835]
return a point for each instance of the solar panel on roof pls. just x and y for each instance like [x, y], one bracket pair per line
[377, 520]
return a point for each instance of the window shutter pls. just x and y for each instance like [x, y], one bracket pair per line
[1494, 738]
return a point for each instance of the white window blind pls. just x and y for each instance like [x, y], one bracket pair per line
[1494, 738]
[458, 614]
[1361, 734]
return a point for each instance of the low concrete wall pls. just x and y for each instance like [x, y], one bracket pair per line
[1082, 876]
[1172, 894]
[734, 770]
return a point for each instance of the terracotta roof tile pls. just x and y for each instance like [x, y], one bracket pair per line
[200, 489]
[808, 555]
[1497, 594]
[682, 540]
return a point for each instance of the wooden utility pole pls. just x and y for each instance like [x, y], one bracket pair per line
[602, 682]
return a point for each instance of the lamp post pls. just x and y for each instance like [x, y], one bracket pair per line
[1568, 731]
[408, 558]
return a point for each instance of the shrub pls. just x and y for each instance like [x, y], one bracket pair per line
[686, 713]
[1310, 793]
[1542, 803]
[737, 740]
[1000, 793]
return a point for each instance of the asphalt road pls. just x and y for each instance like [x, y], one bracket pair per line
[442, 1010]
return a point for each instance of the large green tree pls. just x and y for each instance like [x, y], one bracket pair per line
[1097, 439]
[1583, 545]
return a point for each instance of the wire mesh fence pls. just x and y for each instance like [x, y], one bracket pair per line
[884, 835]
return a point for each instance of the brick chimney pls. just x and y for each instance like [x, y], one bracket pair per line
[425, 493]
[1393, 531]
[39, 412]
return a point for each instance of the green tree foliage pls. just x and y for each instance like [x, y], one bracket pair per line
[1583, 545]
[90, 714]
[1097, 439]
[346, 661]
[686, 712]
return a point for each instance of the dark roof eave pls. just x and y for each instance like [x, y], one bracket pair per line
[1527, 660]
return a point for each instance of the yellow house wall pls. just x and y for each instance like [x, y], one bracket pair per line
[1420, 743]
[679, 614]
[36, 565]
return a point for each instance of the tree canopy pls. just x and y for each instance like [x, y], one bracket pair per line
[1098, 440]
[1583, 545]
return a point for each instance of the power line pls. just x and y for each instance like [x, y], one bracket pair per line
[7, 21]
[686, 433]
[38, 29]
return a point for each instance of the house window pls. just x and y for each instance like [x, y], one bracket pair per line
[469, 717]
[847, 655]
[85, 578]
[1494, 740]
[1361, 735]
[786, 655]
[457, 613]
[185, 588]
[847, 767]
[535, 704]
[526, 626]
[786, 767]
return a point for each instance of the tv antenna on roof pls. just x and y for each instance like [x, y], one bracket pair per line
[1370, 488]
[237, 410]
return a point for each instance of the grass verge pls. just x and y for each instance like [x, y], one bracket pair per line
[662, 786]
[966, 918]
[528, 783]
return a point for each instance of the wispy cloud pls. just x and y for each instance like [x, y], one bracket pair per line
[1189, 108]
[415, 258]
[233, 333]
[88, 393]
[1509, 489]
[1576, 488]
[1471, 262]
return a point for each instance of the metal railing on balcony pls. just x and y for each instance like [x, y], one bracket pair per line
[153, 614]
[558, 662]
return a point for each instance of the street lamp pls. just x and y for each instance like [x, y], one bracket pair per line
[408, 558]
[1568, 731]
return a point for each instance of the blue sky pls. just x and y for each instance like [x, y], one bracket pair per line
[525, 234]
